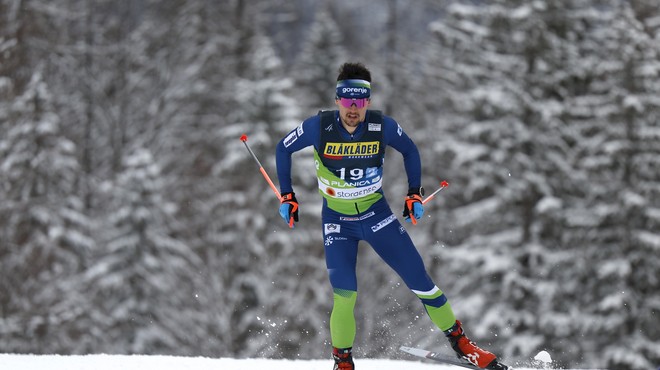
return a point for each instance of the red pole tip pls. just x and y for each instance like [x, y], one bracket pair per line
[244, 138]
[444, 184]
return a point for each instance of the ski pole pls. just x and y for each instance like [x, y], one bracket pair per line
[263, 172]
[443, 185]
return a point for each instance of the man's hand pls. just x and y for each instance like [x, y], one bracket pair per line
[289, 208]
[413, 209]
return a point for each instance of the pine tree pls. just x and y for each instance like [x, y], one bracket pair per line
[534, 84]
[318, 63]
[144, 282]
[491, 140]
[45, 236]
[615, 153]
[261, 319]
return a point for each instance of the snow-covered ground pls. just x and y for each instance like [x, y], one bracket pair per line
[115, 362]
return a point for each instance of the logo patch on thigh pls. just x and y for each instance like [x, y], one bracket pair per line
[383, 223]
[331, 228]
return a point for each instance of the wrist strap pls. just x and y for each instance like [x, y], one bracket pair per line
[417, 190]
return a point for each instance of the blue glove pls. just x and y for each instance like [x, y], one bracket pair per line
[289, 208]
[413, 205]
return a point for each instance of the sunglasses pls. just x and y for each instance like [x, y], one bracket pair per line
[348, 102]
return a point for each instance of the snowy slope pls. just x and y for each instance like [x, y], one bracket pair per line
[114, 362]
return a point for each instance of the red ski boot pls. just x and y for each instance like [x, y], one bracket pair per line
[466, 349]
[343, 359]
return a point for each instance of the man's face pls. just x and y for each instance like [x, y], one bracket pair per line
[352, 116]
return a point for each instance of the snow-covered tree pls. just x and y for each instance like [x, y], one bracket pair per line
[493, 145]
[316, 70]
[546, 101]
[259, 280]
[144, 282]
[44, 235]
[616, 120]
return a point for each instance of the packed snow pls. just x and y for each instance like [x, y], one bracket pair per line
[142, 362]
[115, 362]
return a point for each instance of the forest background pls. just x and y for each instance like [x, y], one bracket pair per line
[133, 220]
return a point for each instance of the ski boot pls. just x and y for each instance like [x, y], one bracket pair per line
[343, 359]
[469, 351]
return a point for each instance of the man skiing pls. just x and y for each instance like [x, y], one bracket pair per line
[349, 147]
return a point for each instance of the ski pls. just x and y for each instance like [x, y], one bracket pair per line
[440, 357]
[447, 359]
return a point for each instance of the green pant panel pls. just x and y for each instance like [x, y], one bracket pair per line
[443, 316]
[438, 308]
[342, 319]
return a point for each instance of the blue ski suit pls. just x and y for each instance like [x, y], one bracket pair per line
[349, 172]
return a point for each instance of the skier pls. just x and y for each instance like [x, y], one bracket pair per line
[349, 147]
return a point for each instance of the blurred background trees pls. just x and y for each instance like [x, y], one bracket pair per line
[133, 220]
